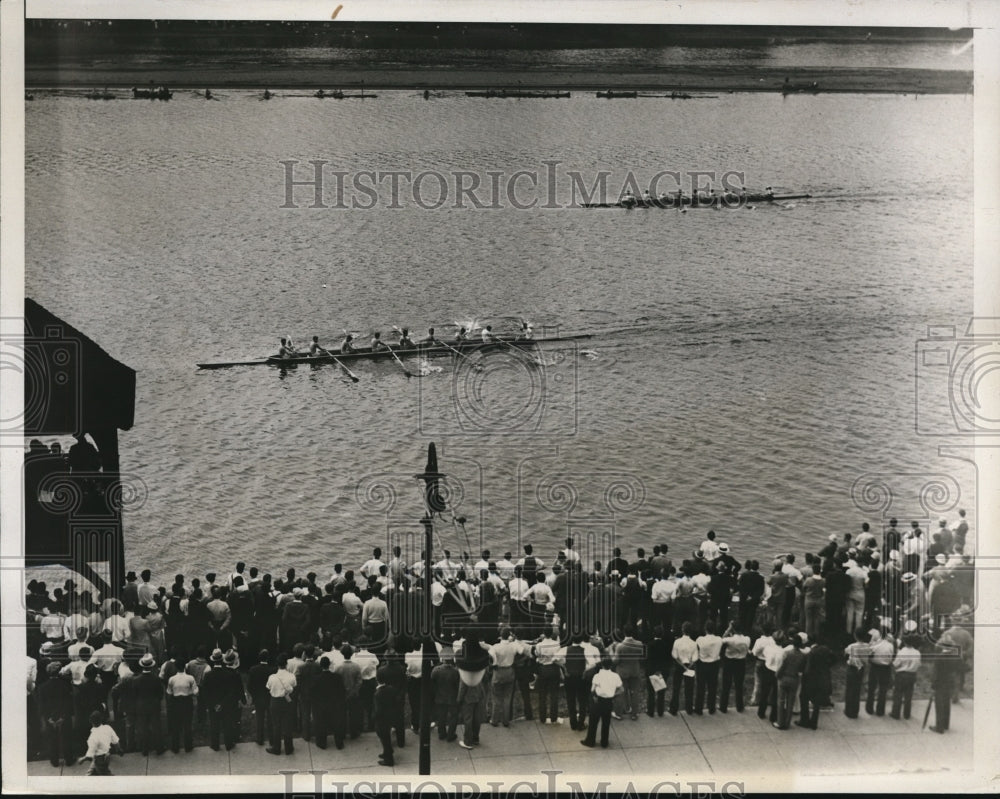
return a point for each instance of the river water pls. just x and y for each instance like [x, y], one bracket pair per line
[773, 366]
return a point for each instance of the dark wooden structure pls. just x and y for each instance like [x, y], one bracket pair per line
[73, 503]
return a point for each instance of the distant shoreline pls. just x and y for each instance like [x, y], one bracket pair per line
[704, 79]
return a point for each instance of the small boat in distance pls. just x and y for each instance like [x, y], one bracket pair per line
[799, 88]
[340, 95]
[157, 93]
[610, 95]
[516, 93]
[675, 200]
[98, 95]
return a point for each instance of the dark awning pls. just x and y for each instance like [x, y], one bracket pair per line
[71, 385]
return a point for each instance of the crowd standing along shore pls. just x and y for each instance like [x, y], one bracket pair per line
[247, 656]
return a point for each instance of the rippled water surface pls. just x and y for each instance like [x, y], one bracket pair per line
[774, 367]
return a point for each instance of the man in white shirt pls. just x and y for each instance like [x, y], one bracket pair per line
[117, 624]
[549, 663]
[80, 642]
[709, 549]
[604, 686]
[372, 565]
[100, 742]
[483, 562]
[502, 656]
[773, 655]
[414, 661]
[505, 567]
[542, 601]
[662, 595]
[74, 624]
[685, 655]
[375, 618]
[709, 654]
[518, 591]
[107, 658]
[53, 626]
[240, 566]
[182, 688]
[735, 648]
[397, 566]
[334, 656]
[146, 591]
[368, 663]
[280, 686]
[569, 553]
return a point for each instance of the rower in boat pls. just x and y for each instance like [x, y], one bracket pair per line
[287, 349]
[646, 199]
[430, 340]
[488, 337]
[526, 333]
[377, 344]
[404, 338]
[315, 349]
[629, 199]
[769, 193]
[347, 347]
[461, 336]
[267, 94]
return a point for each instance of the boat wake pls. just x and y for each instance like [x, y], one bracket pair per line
[425, 368]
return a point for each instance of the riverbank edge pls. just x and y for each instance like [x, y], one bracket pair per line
[714, 79]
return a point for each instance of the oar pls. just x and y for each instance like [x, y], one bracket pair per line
[340, 363]
[508, 345]
[406, 371]
[461, 354]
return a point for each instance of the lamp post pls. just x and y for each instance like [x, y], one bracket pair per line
[432, 504]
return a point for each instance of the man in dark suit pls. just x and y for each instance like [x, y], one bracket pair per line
[55, 707]
[305, 676]
[393, 673]
[445, 680]
[259, 696]
[148, 699]
[947, 662]
[385, 701]
[750, 588]
[329, 712]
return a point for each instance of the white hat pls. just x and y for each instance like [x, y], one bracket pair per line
[909, 577]
[940, 558]
[723, 547]
[910, 626]
[832, 536]
[894, 555]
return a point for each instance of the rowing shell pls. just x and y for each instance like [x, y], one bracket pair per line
[421, 350]
[703, 202]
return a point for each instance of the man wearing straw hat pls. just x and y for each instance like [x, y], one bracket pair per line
[148, 697]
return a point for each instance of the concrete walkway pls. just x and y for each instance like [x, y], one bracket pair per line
[731, 746]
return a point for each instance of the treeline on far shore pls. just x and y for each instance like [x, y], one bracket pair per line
[46, 39]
